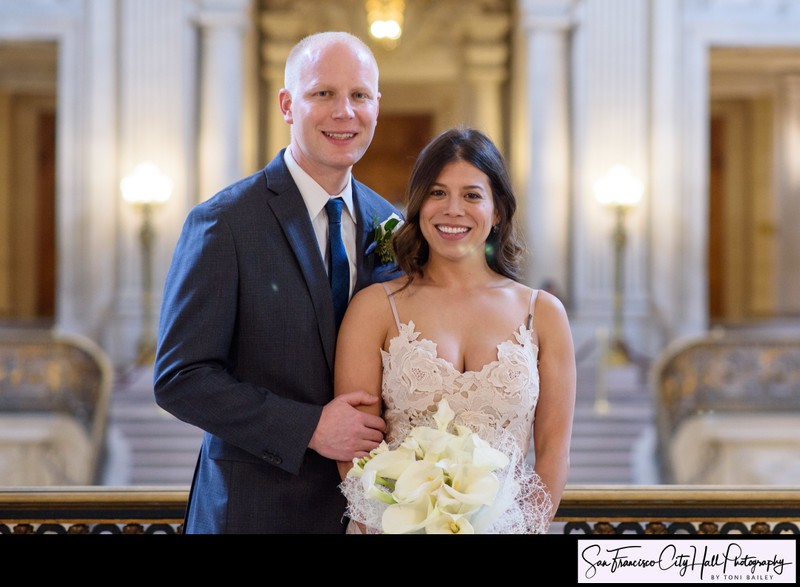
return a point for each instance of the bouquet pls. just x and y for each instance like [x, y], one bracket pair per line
[442, 482]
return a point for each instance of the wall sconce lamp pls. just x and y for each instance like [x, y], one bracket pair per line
[385, 19]
[619, 190]
[145, 188]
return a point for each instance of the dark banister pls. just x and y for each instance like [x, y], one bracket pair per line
[657, 509]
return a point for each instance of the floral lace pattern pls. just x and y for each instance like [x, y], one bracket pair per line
[501, 396]
[497, 402]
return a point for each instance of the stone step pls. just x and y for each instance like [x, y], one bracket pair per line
[159, 444]
[157, 427]
[162, 475]
[166, 459]
[185, 458]
[128, 409]
[601, 430]
[162, 450]
[591, 444]
[581, 459]
[615, 414]
[599, 476]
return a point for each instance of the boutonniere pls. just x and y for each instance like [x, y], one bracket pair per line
[382, 235]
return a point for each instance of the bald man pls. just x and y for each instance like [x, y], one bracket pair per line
[247, 330]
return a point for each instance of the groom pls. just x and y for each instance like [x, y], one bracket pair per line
[247, 331]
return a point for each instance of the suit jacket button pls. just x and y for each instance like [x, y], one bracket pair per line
[272, 458]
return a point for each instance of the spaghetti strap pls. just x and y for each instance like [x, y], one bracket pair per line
[392, 304]
[529, 322]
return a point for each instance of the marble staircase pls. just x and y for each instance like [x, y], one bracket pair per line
[610, 438]
[148, 446]
[613, 427]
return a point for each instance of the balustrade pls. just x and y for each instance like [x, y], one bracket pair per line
[597, 510]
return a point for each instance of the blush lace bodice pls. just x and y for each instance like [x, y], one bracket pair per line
[497, 402]
[500, 396]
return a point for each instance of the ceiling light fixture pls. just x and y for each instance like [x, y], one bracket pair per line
[385, 19]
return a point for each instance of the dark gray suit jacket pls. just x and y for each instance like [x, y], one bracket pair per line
[245, 352]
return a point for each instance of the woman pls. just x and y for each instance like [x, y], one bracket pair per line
[460, 326]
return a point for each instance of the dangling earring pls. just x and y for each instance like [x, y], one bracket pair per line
[495, 229]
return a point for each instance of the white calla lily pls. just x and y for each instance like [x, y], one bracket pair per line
[408, 518]
[462, 430]
[376, 488]
[444, 415]
[420, 478]
[436, 481]
[486, 456]
[358, 463]
[448, 503]
[449, 524]
[431, 442]
[472, 485]
[390, 465]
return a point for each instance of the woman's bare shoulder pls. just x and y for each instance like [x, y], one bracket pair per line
[520, 292]
[375, 295]
[548, 307]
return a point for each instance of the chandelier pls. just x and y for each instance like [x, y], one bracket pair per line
[385, 19]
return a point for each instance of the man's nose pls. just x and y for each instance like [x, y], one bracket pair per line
[343, 108]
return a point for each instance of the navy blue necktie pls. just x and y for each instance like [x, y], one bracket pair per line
[339, 269]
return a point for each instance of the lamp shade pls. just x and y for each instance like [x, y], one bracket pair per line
[619, 187]
[146, 185]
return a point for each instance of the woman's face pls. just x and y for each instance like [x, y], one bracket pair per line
[458, 212]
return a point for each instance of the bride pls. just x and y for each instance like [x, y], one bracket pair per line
[460, 326]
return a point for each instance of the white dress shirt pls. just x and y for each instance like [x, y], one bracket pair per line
[315, 198]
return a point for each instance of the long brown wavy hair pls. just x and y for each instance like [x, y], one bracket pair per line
[504, 245]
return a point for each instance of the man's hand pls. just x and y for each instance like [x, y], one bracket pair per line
[344, 432]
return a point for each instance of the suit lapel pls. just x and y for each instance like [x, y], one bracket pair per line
[292, 215]
[365, 232]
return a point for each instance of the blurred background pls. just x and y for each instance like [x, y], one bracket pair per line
[654, 146]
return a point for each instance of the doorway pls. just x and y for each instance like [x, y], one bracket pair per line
[28, 182]
[387, 164]
[741, 245]
[749, 121]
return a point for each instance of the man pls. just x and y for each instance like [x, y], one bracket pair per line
[247, 332]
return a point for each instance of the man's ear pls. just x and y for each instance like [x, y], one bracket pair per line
[285, 100]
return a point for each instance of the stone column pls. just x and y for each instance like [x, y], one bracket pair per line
[545, 25]
[788, 203]
[222, 25]
[153, 108]
[280, 30]
[486, 57]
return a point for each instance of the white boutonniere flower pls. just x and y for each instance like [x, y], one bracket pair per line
[381, 241]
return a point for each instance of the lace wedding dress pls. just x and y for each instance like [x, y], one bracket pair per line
[497, 402]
